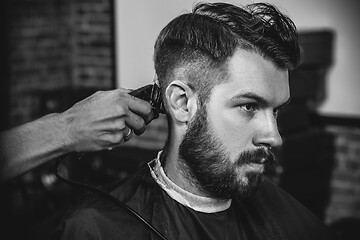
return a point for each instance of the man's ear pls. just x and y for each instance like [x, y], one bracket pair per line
[182, 101]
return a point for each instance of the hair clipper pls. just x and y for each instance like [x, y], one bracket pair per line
[151, 93]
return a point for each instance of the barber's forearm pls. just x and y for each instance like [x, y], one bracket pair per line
[32, 144]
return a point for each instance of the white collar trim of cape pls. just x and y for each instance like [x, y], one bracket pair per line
[195, 202]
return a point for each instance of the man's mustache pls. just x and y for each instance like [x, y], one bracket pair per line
[260, 156]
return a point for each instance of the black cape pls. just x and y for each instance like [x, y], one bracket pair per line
[271, 214]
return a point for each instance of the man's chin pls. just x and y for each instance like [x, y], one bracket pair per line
[247, 188]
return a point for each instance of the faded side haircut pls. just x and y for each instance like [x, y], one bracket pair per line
[195, 46]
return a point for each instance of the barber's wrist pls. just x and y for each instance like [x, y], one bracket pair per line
[64, 132]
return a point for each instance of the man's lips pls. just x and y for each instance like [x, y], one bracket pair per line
[260, 156]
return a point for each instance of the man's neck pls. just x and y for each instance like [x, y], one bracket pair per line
[195, 201]
[179, 173]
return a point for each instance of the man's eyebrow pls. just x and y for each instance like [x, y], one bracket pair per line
[259, 99]
[252, 96]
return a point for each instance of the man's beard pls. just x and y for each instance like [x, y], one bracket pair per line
[204, 162]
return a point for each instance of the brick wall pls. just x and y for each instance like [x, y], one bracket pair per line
[92, 44]
[345, 181]
[55, 45]
[59, 52]
[39, 52]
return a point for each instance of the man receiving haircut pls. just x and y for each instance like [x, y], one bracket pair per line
[223, 73]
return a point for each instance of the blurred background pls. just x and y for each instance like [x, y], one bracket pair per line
[57, 52]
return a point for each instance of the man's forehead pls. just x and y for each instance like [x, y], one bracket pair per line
[249, 74]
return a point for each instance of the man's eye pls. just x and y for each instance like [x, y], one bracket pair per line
[249, 107]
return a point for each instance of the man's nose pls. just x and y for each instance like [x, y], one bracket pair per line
[268, 133]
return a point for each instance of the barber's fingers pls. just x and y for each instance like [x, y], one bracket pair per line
[128, 119]
[141, 108]
[135, 122]
[127, 134]
[115, 139]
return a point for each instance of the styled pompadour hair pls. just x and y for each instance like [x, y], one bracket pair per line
[196, 45]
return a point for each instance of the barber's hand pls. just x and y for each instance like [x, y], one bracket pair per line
[105, 120]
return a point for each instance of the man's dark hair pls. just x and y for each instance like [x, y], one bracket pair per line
[194, 46]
